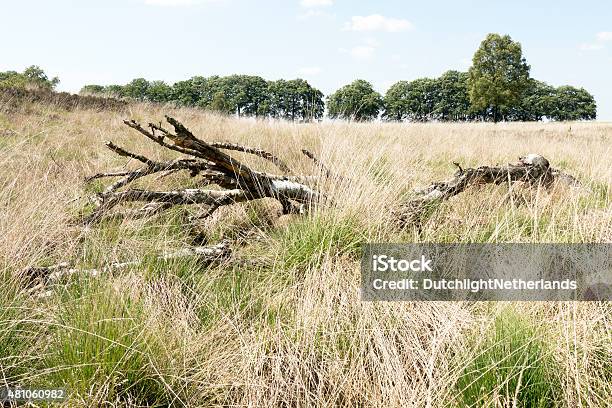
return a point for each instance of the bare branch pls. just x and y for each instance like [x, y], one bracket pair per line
[533, 169]
[255, 151]
[188, 196]
[146, 211]
[103, 175]
[240, 182]
[122, 152]
[185, 139]
[195, 166]
[295, 191]
[62, 271]
[319, 163]
[160, 140]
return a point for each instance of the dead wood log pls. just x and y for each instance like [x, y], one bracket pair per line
[41, 277]
[103, 175]
[533, 169]
[237, 181]
[146, 211]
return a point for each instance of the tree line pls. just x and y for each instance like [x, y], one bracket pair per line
[447, 99]
[496, 87]
[242, 95]
[32, 77]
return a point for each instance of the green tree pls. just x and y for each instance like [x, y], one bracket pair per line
[536, 103]
[395, 101]
[235, 93]
[158, 91]
[572, 103]
[422, 99]
[279, 99]
[498, 76]
[7, 75]
[219, 103]
[115, 91]
[357, 101]
[188, 92]
[414, 101]
[32, 77]
[12, 79]
[35, 76]
[255, 89]
[137, 89]
[311, 100]
[294, 100]
[92, 90]
[453, 99]
[215, 95]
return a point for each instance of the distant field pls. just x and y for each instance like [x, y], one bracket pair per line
[289, 329]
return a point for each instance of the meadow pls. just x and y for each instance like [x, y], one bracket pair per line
[289, 328]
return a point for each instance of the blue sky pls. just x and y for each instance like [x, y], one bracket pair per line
[328, 42]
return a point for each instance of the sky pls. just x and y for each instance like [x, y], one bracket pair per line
[328, 42]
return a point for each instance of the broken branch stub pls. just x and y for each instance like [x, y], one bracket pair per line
[257, 152]
[533, 169]
[237, 181]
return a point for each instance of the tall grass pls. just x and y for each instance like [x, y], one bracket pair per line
[288, 328]
[510, 363]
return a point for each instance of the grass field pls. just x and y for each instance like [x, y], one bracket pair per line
[292, 330]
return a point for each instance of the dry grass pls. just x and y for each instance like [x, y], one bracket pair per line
[294, 332]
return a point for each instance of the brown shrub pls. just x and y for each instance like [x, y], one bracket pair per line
[18, 99]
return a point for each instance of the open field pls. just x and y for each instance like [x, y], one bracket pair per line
[290, 330]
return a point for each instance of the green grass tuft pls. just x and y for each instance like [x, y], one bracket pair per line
[18, 330]
[306, 242]
[513, 365]
[101, 337]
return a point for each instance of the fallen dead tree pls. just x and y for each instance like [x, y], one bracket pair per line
[532, 169]
[224, 181]
[236, 182]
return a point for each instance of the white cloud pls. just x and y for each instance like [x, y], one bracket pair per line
[316, 3]
[600, 39]
[604, 36]
[363, 51]
[309, 71]
[376, 22]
